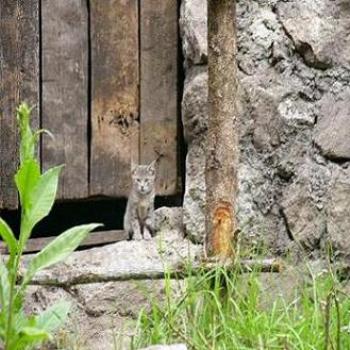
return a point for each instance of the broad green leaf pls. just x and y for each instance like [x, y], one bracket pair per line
[42, 198]
[44, 194]
[8, 237]
[59, 249]
[21, 320]
[26, 179]
[4, 286]
[54, 316]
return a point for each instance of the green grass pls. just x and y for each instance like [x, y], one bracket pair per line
[226, 310]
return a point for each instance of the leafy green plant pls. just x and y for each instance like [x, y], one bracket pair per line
[37, 194]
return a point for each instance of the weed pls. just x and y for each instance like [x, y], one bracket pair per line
[37, 193]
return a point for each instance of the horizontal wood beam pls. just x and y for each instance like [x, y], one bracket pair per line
[96, 238]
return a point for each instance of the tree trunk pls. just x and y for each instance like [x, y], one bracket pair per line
[222, 140]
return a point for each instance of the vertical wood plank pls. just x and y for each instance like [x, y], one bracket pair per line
[19, 81]
[159, 95]
[114, 29]
[65, 93]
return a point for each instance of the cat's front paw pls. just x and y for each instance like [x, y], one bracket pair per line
[146, 234]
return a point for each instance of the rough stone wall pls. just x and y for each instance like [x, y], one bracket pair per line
[294, 102]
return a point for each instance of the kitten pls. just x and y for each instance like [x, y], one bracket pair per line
[139, 215]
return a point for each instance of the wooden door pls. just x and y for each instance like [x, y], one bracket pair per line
[103, 77]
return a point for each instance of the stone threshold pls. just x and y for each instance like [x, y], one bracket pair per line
[121, 261]
[173, 256]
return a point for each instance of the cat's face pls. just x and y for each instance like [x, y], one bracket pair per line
[143, 178]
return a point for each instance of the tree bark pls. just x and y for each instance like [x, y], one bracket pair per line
[222, 139]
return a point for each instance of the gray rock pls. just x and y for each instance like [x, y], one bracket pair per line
[296, 111]
[268, 125]
[102, 314]
[338, 225]
[169, 219]
[332, 132]
[195, 104]
[167, 347]
[303, 203]
[124, 298]
[193, 28]
[258, 31]
[194, 198]
[291, 155]
[195, 121]
[319, 30]
[254, 193]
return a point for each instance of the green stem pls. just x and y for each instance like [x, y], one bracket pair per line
[13, 277]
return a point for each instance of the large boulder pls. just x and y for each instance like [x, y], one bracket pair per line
[194, 199]
[195, 121]
[102, 314]
[195, 104]
[193, 27]
[338, 225]
[268, 126]
[167, 347]
[303, 204]
[294, 67]
[332, 132]
[168, 219]
[319, 30]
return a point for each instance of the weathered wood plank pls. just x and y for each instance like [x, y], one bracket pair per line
[65, 93]
[114, 33]
[19, 81]
[159, 94]
[95, 238]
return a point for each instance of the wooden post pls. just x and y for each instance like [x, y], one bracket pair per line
[222, 141]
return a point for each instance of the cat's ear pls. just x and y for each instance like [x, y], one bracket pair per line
[152, 167]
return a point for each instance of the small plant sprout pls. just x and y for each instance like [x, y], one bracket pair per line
[37, 192]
